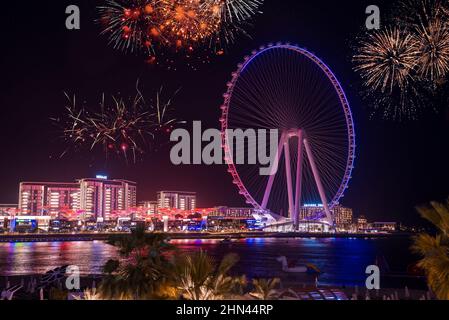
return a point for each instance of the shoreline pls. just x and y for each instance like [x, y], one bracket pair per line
[63, 237]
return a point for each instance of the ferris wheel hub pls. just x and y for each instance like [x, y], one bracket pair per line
[291, 133]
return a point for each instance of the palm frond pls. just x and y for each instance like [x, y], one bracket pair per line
[435, 249]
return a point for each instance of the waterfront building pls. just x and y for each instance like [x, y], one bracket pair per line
[384, 226]
[343, 218]
[149, 207]
[98, 198]
[176, 200]
[362, 223]
[48, 198]
[26, 224]
[232, 212]
[310, 212]
[8, 209]
[103, 199]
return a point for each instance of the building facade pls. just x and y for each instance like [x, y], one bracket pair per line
[311, 212]
[93, 198]
[362, 223]
[148, 207]
[48, 198]
[232, 212]
[103, 199]
[62, 198]
[7, 210]
[343, 217]
[176, 200]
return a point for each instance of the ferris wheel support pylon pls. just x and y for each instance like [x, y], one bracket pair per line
[274, 169]
[319, 185]
[298, 185]
[294, 196]
[288, 174]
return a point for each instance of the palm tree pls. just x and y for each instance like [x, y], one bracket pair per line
[138, 240]
[143, 268]
[266, 289]
[197, 277]
[89, 294]
[435, 249]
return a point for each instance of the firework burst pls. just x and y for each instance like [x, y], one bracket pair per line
[386, 59]
[237, 9]
[188, 22]
[185, 25]
[405, 64]
[433, 41]
[126, 128]
[130, 25]
[234, 18]
[410, 13]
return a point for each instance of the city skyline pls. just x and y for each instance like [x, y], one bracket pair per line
[56, 199]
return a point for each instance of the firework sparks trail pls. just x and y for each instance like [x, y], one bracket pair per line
[121, 127]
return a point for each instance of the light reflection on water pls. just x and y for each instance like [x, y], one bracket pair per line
[342, 260]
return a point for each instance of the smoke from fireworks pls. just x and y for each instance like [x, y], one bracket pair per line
[127, 128]
[401, 62]
[182, 25]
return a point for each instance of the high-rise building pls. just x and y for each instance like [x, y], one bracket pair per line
[31, 198]
[176, 200]
[342, 215]
[48, 198]
[61, 197]
[97, 198]
[101, 198]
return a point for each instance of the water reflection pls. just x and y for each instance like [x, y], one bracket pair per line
[343, 261]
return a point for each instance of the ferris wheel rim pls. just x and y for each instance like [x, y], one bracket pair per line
[343, 102]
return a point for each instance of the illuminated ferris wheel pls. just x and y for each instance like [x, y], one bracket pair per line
[288, 88]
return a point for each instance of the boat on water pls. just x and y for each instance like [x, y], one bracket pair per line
[291, 267]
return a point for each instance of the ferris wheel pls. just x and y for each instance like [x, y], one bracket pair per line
[287, 88]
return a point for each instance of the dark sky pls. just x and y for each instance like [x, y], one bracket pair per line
[398, 165]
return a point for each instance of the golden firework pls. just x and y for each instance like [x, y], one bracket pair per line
[433, 41]
[386, 59]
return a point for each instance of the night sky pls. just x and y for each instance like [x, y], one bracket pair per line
[398, 165]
